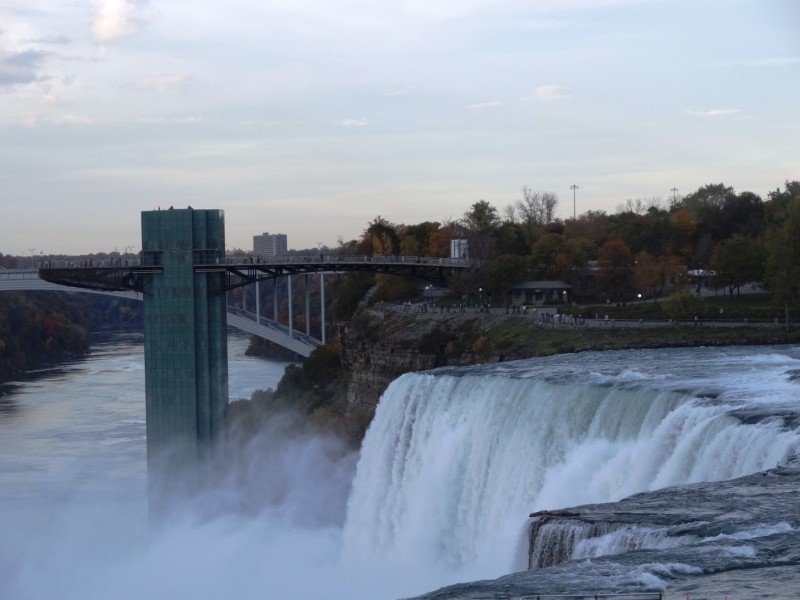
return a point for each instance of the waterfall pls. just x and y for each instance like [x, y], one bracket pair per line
[453, 463]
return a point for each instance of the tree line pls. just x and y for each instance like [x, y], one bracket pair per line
[648, 247]
[41, 328]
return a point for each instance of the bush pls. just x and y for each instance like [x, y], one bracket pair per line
[683, 306]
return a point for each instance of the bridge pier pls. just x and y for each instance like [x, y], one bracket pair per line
[186, 356]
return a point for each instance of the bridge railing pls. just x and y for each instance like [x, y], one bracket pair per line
[19, 274]
[593, 596]
[89, 262]
[333, 259]
[211, 257]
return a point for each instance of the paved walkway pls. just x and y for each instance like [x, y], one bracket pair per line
[547, 316]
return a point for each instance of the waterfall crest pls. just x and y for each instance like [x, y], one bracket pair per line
[453, 464]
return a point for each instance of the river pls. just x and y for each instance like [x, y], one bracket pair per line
[440, 492]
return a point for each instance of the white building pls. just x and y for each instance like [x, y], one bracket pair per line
[459, 248]
[270, 245]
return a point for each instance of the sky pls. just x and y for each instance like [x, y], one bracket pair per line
[313, 117]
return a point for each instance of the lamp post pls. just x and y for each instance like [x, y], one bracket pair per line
[32, 250]
[573, 187]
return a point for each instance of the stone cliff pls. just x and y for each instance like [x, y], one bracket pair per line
[379, 346]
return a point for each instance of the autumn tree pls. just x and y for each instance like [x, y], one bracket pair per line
[414, 239]
[548, 256]
[379, 239]
[615, 269]
[652, 274]
[439, 240]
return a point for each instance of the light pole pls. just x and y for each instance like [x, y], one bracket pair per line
[573, 187]
[32, 251]
[674, 192]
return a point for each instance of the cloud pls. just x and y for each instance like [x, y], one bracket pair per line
[354, 122]
[36, 120]
[114, 19]
[714, 112]
[481, 105]
[173, 120]
[84, 121]
[774, 61]
[548, 93]
[60, 40]
[162, 83]
[444, 9]
[20, 67]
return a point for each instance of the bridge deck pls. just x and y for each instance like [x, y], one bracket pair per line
[114, 275]
[29, 280]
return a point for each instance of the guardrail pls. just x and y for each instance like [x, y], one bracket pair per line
[547, 316]
[609, 596]
[204, 257]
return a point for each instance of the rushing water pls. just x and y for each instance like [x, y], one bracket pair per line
[450, 468]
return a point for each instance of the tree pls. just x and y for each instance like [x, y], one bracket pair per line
[545, 256]
[615, 269]
[683, 228]
[506, 271]
[420, 234]
[783, 261]
[481, 223]
[535, 210]
[742, 214]
[592, 225]
[481, 217]
[581, 251]
[738, 260]
[379, 239]
[706, 207]
[439, 240]
[652, 274]
[779, 201]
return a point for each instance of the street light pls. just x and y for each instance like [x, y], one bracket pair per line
[573, 187]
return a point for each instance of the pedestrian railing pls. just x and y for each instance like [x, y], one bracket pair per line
[607, 596]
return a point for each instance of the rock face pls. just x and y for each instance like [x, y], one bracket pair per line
[734, 517]
[379, 346]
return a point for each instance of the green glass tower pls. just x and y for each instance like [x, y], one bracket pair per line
[185, 337]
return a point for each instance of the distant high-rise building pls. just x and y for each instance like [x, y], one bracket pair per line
[270, 244]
